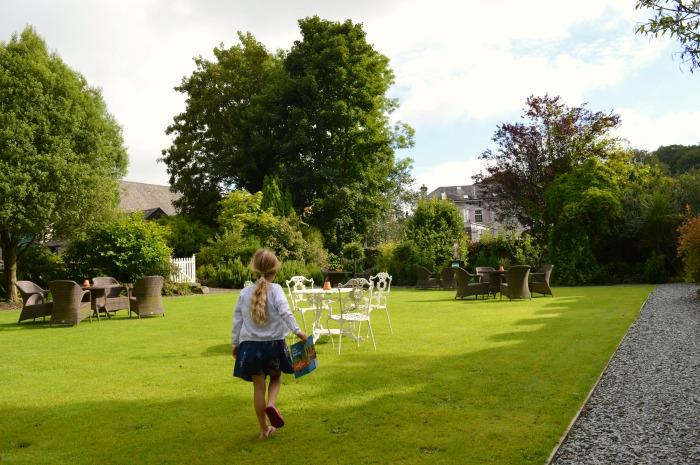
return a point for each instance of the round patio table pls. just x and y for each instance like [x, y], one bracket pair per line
[322, 299]
[496, 277]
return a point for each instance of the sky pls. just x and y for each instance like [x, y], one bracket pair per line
[461, 67]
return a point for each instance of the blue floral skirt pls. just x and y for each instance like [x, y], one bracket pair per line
[270, 358]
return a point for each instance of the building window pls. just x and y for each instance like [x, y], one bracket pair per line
[465, 214]
[479, 216]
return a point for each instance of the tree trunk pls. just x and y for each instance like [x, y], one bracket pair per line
[9, 252]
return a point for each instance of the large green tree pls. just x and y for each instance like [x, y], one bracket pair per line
[61, 152]
[679, 18]
[340, 151]
[226, 137]
[552, 140]
[400, 199]
[316, 118]
[607, 212]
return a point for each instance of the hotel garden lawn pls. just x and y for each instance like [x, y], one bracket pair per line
[463, 382]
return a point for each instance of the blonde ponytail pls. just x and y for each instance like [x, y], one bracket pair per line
[258, 307]
[266, 265]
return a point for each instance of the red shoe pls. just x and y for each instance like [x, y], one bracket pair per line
[275, 416]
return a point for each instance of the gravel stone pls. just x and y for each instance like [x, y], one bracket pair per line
[646, 407]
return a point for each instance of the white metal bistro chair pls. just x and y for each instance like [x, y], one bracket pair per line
[300, 303]
[382, 287]
[354, 310]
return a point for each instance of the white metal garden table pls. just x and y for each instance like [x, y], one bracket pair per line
[322, 299]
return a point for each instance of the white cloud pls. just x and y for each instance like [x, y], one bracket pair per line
[646, 129]
[452, 59]
[482, 62]
[454, 173]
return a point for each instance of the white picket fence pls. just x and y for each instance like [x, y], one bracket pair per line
[187, 272]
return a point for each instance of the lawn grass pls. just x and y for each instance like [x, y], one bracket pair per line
[462, 382]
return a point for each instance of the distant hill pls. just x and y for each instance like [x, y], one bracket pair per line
[679, 158]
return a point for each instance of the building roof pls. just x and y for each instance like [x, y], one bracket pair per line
[137, 196]
[456, 193]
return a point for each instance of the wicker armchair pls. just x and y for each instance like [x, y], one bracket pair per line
[106, 295]
[426, 279]
[71, 304]
[540, 280]
[145, 297]
[468, 284]
[516, 286]
[447, 278]
[34, 303]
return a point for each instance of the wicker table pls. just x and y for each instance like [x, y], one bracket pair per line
[97, 293]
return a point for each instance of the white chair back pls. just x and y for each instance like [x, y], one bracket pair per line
[298, 283]
[359, 298]
[383, 282]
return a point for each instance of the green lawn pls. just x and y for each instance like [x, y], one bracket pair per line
[463, 382]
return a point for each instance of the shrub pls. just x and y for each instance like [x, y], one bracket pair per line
[334, 261]
[297, 268]
[126, 248]
[245, 227]
[313, 251]
[315, 272]
[185, 234]
[689, 248]
[574, 262]
[40, 265]
[291, 268]
[226, 247]
[352, 253]
[235, 273]
[434, 228]
[403, 263]
[506, 249]
[230, 274]
[371, 254]
[385, 256]
[655, 270]
[170, 288]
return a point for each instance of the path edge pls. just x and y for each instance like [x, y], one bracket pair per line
[566, 433]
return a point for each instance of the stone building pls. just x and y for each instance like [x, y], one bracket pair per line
[477, 214]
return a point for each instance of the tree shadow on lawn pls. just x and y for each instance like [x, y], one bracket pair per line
[25, 325]
[40, 324]
[479, 299]
[435, 404]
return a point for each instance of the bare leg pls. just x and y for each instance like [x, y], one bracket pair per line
[259, 403]
[273, 389]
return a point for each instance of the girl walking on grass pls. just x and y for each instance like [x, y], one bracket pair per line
[260, 322]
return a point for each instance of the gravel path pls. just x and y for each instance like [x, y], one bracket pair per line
[646, 408]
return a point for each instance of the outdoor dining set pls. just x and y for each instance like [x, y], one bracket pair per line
[70, 303]
[517, 282]
[342, 310]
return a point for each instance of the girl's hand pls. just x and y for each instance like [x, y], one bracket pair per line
[302, 335]
[234, 352]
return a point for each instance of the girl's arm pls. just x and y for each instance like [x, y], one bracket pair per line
[237, 324]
